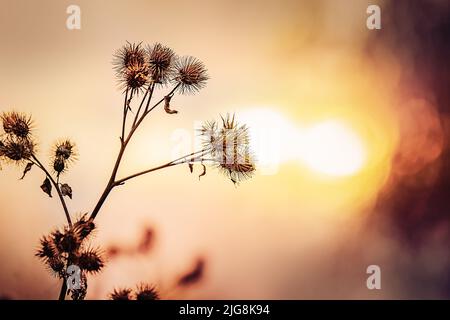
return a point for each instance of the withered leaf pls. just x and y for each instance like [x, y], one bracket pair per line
[47, 187]
[203, 173]
[191, 167]
[167, 105]
[66, 190]
[193, 276]
[170, 111]
[27, 168]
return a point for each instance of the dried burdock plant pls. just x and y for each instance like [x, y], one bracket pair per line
[190, 75]
[142, 292]
[121, 294]
[17, 124]
[140, 70]
[63, 154]
[161, 60]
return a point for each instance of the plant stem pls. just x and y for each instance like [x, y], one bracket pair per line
[191, 154]
[63, 292]
[61, 198]
[149, 89]
[124, 118]
[162, 99]
[122, 181]
[167, 165]
[112, 183]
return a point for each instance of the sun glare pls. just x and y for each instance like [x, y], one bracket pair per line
[333, 149]
[329, 147]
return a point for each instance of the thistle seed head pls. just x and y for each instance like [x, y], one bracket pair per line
[47, 249]
[240, 170]
[17, 124]
[121, 294]
[229, 147]
[84, 227]
[68, 241]
[190, 75]
[127, 56]
[132, 67]
[58, 165]
[222, 140]
[146, 292]
[91, 261]
[2, 151]
[51, 256]
[56, 266]
[64, 153]
[161, 59]
[65, 149]
[17, 149]
[135, 77]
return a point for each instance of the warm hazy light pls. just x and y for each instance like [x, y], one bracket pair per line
[329, 147]
[333, 149]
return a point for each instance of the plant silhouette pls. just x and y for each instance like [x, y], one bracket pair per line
[140, 71]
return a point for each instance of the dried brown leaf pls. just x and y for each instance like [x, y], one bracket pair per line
[47, 187]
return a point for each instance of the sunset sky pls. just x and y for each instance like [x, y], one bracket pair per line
[350, 127]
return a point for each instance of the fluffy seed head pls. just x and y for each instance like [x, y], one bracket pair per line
[91, 261]
[17, 124]
[132, 67]
[58, 165]
[64, 153]
[17, 149]
[147, 292]
[229, 147]
[190, 75]
[225, 141]
[83, 227]
[161, 59]
[65, 149]
[135, 77]
[68, 241]
[121, 294]
[51, 256]
[47, 249]
[127, 56]
[2, 145]
[56, 266]
[238, 171]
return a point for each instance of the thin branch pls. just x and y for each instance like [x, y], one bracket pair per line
[63, 291]
[61, 198]
[162, 99]
[124, 118]
[122, 181]
[167, 165]
[190, 155]
[149, 89]
[112, 183]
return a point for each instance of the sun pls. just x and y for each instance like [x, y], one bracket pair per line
[328, 147]
[332, 148]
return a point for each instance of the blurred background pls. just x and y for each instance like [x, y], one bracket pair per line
[350, 128]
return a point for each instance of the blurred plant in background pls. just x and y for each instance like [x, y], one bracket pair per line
[140, 72]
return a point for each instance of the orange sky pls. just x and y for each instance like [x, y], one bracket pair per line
[303, 60]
